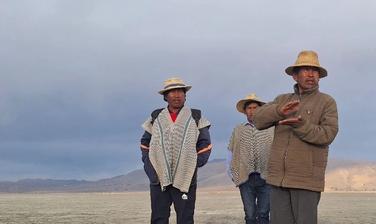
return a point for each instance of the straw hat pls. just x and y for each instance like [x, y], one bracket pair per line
[307, 58]
[174, 83]
[250, 98]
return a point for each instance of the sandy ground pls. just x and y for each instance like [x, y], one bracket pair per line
[213, 206]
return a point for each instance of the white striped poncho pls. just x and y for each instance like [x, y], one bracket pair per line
[172, 149]
[250, 152]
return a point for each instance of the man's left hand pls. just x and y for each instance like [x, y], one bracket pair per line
[290, 121]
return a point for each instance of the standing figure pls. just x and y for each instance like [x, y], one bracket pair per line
[248, 155]
[306, 122]
[176, 141]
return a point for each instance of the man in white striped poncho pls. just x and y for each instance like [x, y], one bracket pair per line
[247, 160]
[176, 141]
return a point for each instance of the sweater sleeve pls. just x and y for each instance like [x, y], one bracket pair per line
[228, 163]
[203, 146]
[148, 167]
[231, 143]
[267, 115]
[323, 133]
[145, 141]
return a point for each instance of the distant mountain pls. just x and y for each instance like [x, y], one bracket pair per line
[341, 175]
[32, 185]
[359, 177]
[133, 181]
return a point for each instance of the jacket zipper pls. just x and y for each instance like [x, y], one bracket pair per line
[288, 143]
[284, 161]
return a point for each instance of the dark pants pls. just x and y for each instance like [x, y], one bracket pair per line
[161, 202]
[293, 206]
[255, 197]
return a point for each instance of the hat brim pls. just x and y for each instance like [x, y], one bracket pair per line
[163, 91]
[322, 71]
[241, 103]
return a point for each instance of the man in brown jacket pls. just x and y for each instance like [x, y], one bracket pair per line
[306, 122]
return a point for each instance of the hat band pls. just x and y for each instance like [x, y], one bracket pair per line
[175, 84]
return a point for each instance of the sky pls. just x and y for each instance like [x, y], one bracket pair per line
[79, 77]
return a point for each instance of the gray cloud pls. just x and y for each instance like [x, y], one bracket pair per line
[65, 159]
[79, 77]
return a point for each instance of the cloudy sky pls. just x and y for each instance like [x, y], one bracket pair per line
[78, 77]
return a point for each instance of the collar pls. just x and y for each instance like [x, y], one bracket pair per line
[175, 112]
[305, 92]
[174, 115]
[248, 123]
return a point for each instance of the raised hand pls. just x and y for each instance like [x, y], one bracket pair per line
[290, 108]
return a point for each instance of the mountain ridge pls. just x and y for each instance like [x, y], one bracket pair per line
[341, 175]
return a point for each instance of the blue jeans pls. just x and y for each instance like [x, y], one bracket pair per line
[255, 197]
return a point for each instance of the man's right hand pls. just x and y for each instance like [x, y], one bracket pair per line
[289, 108]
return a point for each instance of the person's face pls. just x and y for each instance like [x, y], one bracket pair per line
[250, 110]
[175, 98]
[307, 77]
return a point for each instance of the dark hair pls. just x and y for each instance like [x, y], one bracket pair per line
[296, 70]
[249, 102]
[165, 93]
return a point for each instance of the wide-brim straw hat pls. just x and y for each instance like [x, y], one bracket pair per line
[307, 58]
[250, 98]
[174, 83]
